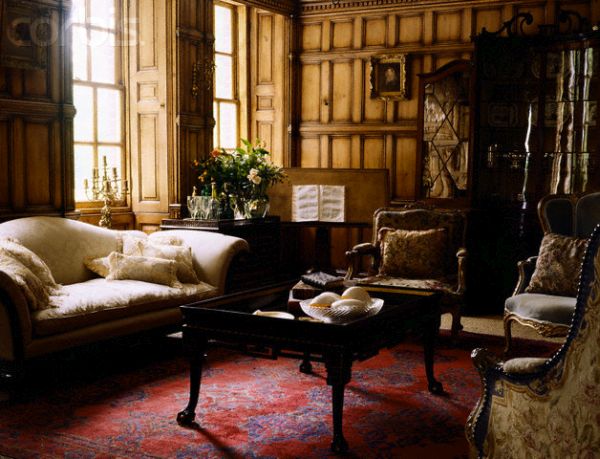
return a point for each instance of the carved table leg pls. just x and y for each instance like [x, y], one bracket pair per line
[429, 337]
[197, 352]
[339, 370]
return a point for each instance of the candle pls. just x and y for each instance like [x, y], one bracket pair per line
[95, 171]
[104, 161]
[114, 172]
[85, 183]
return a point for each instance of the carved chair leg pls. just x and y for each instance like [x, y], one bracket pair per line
[456, 325]
[507, 336]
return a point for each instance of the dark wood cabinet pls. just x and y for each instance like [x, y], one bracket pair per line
[262, 265]
[535, 132]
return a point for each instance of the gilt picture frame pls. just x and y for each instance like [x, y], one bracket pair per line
[389, 76]
[25, 30]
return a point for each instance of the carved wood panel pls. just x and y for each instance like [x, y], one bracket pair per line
[36, 115]
[337, 43]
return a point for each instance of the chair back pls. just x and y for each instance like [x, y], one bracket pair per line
[418, 217]
[569, 214]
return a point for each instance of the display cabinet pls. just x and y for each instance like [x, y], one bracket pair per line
[444, 158]
[535, 132]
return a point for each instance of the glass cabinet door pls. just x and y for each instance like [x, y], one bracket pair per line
[444, 131]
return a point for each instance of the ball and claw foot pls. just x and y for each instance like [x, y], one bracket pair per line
[435, 387]
[185, 418]
[339, 445]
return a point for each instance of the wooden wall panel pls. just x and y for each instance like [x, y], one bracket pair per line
[340, 146]
[148, 158]
[342, 34]
[342, 91]
[311, 89]
[410, 29]
[5, 177]
[405, 170]
[490, 18]
[36, 115]
[448, 26]
[38, 163]
[375, 31]
[373, 152]
[310, 151]
[311, 37]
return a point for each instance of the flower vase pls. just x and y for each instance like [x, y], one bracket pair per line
[249, 208]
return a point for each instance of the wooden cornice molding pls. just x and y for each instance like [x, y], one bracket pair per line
[286, 7]
[313, 7]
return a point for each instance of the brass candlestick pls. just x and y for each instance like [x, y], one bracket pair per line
[105, 187]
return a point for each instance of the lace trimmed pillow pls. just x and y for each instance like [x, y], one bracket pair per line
[182, 255]
[147, 269]
[33, 262]
[413, 254]
[558, 267]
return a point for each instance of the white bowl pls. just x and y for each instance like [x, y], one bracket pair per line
[337, 314]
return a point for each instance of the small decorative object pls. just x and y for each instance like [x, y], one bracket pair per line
[105, 187]
[388, 77]
[204, 207]
[238, 179]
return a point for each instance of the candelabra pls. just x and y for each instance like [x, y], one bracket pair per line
[106, 188]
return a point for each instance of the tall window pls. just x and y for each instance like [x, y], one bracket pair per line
[226, 99]
[97, 92]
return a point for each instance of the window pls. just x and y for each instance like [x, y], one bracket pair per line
[97, 95]
[226, 98]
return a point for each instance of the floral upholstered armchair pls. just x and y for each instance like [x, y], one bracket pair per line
[536, 407]
[544, 298]
[417, 247]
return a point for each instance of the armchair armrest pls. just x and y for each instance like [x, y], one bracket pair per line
[358, 251]
[526, 268]
[461, 256]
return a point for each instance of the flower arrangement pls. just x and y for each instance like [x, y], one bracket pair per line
[244, 173]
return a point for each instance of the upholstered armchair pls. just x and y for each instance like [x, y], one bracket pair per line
[416, 247]
[536, 407]
[544, 298]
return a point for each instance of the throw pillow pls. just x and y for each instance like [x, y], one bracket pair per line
[147, 269]
[33, 262]
[413, 254]
[558, 266]
[182, 255]
[98, 265]
[32, 287]
[129, 242]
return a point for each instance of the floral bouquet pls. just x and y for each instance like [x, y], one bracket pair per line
[244, 174]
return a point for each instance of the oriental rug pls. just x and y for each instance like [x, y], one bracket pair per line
[122, 403]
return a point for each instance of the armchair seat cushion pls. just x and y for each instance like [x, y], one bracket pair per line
[420, 284]
[100, 300]
[543, 308]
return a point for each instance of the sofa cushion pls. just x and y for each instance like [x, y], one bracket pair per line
[547, 308]
[558, 265]
[147, 269]
[100, 300]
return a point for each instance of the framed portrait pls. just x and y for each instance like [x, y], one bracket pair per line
[25, 31]
[388, 77]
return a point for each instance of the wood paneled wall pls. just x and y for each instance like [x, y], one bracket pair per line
[341, 126]
[36, 122]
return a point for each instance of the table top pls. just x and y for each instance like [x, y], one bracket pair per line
[233, 315]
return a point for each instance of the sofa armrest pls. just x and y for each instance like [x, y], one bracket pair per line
[461, 256]
[212, 253]
[526, 268]
[15, 321]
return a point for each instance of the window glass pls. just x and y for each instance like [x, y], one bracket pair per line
[83, 98]
[228, 128]
[109, 124]
[223, 27]
[224, 77]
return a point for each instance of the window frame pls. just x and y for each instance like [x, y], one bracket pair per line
[236, 80]
[119, 85]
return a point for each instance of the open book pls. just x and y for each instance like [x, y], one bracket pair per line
[318, 203]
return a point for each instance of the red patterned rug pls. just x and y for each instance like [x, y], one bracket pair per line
[123, 405]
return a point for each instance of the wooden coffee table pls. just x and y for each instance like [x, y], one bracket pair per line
[228, 321]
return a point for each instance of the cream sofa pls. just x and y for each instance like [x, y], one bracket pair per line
[92, 308]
